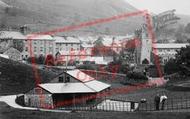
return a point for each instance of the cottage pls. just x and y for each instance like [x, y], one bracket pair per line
[70, 88]
[13, 54]
[9, 39]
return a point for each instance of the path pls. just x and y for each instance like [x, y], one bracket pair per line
[10, 100]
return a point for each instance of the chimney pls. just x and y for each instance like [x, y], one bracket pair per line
[23, 29]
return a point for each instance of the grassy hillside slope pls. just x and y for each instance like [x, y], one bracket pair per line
[19, 78]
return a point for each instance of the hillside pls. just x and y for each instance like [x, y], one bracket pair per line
[43, 15]
[185, 19]
[19, 78]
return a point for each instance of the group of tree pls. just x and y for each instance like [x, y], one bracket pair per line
[42, 60]
[181, 63]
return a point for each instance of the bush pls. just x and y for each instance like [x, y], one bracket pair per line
[171, 67]
[136, 76]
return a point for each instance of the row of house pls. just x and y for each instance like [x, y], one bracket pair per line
[34, 46]
[69, 48]
[79, 48]
[165, 51]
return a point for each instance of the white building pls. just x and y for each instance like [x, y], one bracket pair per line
[167, 51]
[67, 43]
[146, 49]
[10, 38]
[40, 45]
[63, 57]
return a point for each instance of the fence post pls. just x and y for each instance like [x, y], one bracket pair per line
[172, 103]
[186, 102]
[123, 106]
[182, 103]
[146, 106]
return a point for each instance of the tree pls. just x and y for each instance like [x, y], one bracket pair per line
[183, 56]
[187, 28]
[145, 61]
[183, 59]
[171, 67]
[41, 59]
[50, 60]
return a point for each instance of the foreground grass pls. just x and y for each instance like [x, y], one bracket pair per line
[7, 112]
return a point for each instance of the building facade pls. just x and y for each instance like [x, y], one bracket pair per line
[70, 88]
[10, 39]
[67, 43]
[40, 45]
[13, 54]
[167, 51]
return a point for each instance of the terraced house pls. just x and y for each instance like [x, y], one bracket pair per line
[41, 45]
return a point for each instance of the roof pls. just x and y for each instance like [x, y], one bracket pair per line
[97, 60]
[11, 35]
[59, 39]
[85, 45]
[79, 75]
[88, 38]
[169, 45]
[97, 85]
[4, 56]
[75, 52]
[87, 84]
[11, 49]
[40, 37]
[61, 88]
[66, 88]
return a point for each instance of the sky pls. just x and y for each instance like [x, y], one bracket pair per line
[158, 6]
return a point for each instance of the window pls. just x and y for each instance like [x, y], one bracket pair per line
[38, 90]
[41, 42]
[35, 42]
[50, 48]
[41, 49]
[57, 49]
[26, 49]
[67, 79]
[35, 49]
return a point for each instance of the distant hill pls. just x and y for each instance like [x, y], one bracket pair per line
[44, 15]
[185, 19]
[18, 78]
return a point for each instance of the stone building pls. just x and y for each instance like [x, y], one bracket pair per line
[70, 88]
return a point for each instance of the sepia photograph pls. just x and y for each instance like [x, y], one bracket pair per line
[94, 59]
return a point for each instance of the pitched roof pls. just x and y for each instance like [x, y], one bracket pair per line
[63, 88]
[75, 52]
[66, 88]
[11, 35]
[169, 45]
[87, 84]
[79, 75]
[66, 40]
[97, 60]
[40, 37]
[97, 85]
[4, 56]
